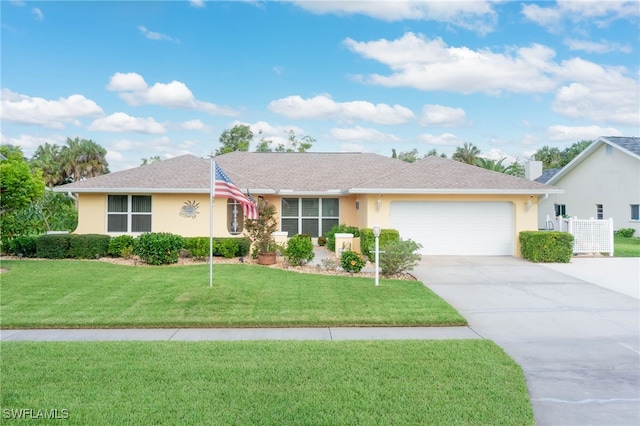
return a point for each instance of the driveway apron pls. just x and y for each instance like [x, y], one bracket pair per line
[578, 343]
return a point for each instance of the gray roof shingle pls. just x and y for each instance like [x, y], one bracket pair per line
[310, 173]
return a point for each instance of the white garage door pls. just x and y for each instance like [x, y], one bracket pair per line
[456, 228]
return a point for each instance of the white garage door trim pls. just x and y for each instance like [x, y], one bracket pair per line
[457, 228]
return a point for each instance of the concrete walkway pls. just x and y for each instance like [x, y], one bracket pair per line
[185, 334]
[578, 343]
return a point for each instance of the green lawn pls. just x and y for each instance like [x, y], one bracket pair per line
[75, 294]
[469, 382]
[626, 247]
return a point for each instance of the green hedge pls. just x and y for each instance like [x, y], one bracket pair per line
[53, 246]
[546, 246]
[121, 245]
[88, 246]
[158, 248]
[226, 247]
[368, 241]
[24, 245]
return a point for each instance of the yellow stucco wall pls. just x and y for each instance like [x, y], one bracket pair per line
[166, 212]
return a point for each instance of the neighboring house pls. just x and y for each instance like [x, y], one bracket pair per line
[449, 207]
[602, 182]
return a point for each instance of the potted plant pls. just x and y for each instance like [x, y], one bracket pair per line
[260, 230]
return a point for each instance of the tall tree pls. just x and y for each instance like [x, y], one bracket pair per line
[409, 156]
[551, 157]
[237, 139]
[294, 144]
[434, 152]
[468, 153]
[47, 158]
[19, 185]
[573, 151]
[152, 159]
[83, 159]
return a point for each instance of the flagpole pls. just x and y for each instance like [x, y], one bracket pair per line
[212, 193]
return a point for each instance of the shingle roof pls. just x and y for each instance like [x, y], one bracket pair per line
[440, 175]
[631, 144]
[547, 174]
[310, 173]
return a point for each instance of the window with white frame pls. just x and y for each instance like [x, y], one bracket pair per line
[635, 211]
[560, 209]
[599, 211]
[311, 216]
[129, 213]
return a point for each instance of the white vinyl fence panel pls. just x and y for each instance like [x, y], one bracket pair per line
[589, 235]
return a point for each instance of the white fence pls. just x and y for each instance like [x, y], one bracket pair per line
[589, 235]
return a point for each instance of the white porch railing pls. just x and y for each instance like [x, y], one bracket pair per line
[589, 235]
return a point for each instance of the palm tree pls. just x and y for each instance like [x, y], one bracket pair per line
[83, 159]
[468, 153]
[47, 159]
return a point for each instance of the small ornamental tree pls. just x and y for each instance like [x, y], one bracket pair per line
[260, 230]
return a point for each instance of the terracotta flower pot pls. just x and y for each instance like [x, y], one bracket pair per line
[266, 258]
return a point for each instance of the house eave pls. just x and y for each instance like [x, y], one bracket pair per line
[150, 190]
[457, 191]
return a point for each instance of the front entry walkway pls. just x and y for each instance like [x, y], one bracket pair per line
[578, 343]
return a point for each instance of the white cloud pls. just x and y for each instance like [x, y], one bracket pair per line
[446, 139]
[361, 134]
[24, 109]
[197, 3]
[37, 14]
[438, 115]
[602, 94]
[121, 122]
[603, 46]
[599, 12]
[427, 64]
[477, 16]
[29, 143]
[578, 133]
[152, 35]
[324, 107]
[135, 92]
[193, 125]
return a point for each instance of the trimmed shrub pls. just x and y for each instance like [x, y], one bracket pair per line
[322, 241]
[400, 256]
[53, 246]
[368, 240]
[24, 245]
[121, 246]
[158, 248]
[351, 261]
[228, 247]
[546, 246]
[299, 250]
[225, 247]
[340, 229]
[88, 246]
[625, 232]
[198, 246]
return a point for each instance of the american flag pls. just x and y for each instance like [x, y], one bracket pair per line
[225, 188]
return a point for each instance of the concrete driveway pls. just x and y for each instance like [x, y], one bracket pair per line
[578, 343]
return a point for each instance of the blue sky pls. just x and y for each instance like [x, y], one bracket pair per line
[166, 78]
